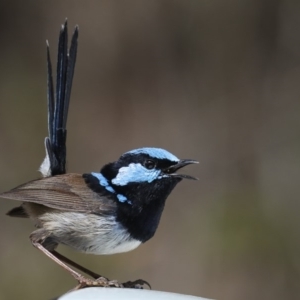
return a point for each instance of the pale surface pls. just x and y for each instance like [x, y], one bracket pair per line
[124, 294]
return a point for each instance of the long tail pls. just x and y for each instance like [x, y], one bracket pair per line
[58, 104]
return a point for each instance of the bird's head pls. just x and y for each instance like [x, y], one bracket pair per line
[145, 174]
[140, 181]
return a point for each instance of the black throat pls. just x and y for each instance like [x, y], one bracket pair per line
[142, 216]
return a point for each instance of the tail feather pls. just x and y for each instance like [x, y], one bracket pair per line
[58, 103]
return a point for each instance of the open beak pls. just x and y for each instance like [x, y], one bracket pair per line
[171, 171]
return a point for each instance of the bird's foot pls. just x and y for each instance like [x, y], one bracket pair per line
[101, 281]
[84, 282]
[137, 284]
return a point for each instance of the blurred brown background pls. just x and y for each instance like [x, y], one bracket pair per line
[218, 81]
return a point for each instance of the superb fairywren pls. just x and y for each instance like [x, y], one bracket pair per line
[108, 212]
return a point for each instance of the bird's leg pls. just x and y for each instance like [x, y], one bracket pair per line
[38, 236]
[77, 266]
[129, 284]
[137, 284]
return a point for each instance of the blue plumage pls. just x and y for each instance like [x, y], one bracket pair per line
[104, 182]
[135, 172]
[155, 153]
[122, 198]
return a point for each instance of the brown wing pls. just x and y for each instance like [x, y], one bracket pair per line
[64, 192]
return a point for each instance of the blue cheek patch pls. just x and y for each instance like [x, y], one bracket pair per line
[135, 172]
[103, 181]
[155, 153]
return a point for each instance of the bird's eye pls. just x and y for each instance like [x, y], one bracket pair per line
[149, 164]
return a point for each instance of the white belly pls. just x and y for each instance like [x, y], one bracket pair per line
[89, 233]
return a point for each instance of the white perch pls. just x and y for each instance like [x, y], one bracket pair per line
[96, 293]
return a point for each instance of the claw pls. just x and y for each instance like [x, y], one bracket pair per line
[137, 284]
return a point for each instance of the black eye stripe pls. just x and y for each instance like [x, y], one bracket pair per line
[127, 159]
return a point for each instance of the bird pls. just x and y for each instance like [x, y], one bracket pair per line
[111, 211]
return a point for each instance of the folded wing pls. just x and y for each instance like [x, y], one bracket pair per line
[64, 192]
